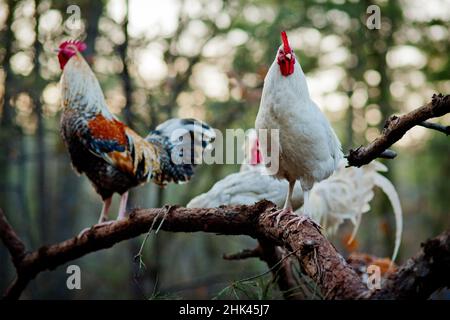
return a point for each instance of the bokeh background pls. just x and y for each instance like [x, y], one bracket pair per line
[207, 59]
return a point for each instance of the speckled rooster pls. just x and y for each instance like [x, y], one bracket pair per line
[114, 157]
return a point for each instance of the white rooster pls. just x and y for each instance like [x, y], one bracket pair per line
[309, 150]
[345, 195]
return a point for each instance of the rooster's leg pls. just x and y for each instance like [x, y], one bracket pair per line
[306, 212]
[105, 210]
[102, 221]
[306, 208]
[287, 209]
[288, 204]
[103, 217]
[123, 206]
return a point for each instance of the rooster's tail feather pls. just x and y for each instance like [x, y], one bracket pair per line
[388, 188]
[183, 142]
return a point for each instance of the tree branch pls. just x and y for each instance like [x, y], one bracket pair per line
[396, 126]
[421, 275]
[11, 240]
[316, 255]
[244, 254]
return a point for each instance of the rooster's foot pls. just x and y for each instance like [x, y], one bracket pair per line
[279, 214]
[302, 218]
[96, 226]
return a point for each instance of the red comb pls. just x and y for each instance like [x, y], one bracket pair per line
[80, 45]
[286, 46]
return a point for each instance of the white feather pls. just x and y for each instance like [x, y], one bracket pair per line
[388, 188]
[245, 187]
[345, 195]
[81, 89]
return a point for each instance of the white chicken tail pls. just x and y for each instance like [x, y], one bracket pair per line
[347, 195]
[388, 188]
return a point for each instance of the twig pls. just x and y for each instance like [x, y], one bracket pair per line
[436, 126]
[282, 272]
[141, 249]
[244, 254]
[272, 269]
[388, 154]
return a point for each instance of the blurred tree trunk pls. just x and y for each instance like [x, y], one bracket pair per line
[6, 129]
[125, 75]
[22, 170]
[378, 46]
[68, 199]
[93, 11]
[355, 73]
[41, 187]
[134, 245]
[7, 117]
[7, 39]
[349, 136]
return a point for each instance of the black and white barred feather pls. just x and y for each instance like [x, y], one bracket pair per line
[183, 142]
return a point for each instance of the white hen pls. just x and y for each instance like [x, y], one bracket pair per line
[309, 149]
[345, 195]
